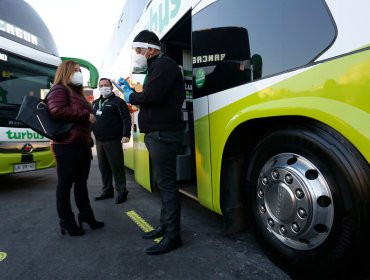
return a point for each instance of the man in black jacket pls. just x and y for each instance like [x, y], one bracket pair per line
[111, 130]
[161, 121]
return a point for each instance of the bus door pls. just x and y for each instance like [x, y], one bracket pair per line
[177, 44]
[221, 60]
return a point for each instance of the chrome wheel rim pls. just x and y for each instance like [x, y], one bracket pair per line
[294, 201]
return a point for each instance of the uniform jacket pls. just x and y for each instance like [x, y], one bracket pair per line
[162, 97]
[63, 105]
[113, 120]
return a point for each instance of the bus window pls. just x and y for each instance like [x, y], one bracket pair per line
[19, 78]
[292, 35]
[225, 62]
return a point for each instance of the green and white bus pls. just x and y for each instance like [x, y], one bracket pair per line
[278, 120]
[28, 61]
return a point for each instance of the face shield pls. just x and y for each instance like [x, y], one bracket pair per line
[139, 61]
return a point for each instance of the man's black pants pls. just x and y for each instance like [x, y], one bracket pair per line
[111, 163]
[163, 147]
[73, 166]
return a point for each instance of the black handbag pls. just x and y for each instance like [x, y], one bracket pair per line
[34, 114]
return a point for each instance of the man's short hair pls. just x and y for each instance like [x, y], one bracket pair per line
[106, 79]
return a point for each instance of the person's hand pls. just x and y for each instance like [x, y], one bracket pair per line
[121, 81]
[126, 95]
[92, 118]
[125, 140]
[124, 84]
[127, 90]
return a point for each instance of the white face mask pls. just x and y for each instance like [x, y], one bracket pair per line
[105, 91]
[77, 79]
[139, 63]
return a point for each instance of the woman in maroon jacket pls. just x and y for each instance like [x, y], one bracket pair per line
[73, 150]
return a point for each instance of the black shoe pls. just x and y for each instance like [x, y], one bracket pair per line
[71, 228]
[94, 224]
[104, 196]
[153, 234]
[164, 246]
[72, 232]
[122, 197]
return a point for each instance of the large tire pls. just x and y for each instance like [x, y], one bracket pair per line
[308, 191]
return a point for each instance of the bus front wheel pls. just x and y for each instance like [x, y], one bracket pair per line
[308, 192]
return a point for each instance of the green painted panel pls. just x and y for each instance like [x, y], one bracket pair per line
[43, 160]
[336, 93]
[203, 162]
[141, 161]
[129, 158]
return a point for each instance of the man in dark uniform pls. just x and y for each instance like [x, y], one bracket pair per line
[111, 130]
[161, 121]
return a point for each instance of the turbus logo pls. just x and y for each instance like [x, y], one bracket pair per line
[161, 15]
[23, 135]
[20, 135]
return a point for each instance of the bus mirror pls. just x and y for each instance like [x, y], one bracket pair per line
[256, 62]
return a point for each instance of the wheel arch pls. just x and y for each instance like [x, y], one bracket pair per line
[238, 148]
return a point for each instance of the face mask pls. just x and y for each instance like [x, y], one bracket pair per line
[77, 79]
[105, 91]
[139, 64]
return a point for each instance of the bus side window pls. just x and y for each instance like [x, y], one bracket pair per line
[223, 55]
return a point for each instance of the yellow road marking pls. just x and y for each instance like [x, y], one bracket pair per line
[2, 256]
[144, 225]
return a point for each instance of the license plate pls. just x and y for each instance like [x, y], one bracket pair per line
[24, 167]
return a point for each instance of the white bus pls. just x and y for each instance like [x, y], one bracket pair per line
[278, 120]
[28, 61]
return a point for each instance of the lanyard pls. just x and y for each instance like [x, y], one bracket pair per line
[102, 105]
[145, 78]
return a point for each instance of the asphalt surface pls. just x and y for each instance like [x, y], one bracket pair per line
[35, 249]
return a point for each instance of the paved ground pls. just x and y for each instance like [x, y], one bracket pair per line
[35, 249]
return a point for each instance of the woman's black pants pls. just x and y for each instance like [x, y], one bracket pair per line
[73, 167]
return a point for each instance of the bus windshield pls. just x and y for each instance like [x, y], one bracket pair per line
[20, 77]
